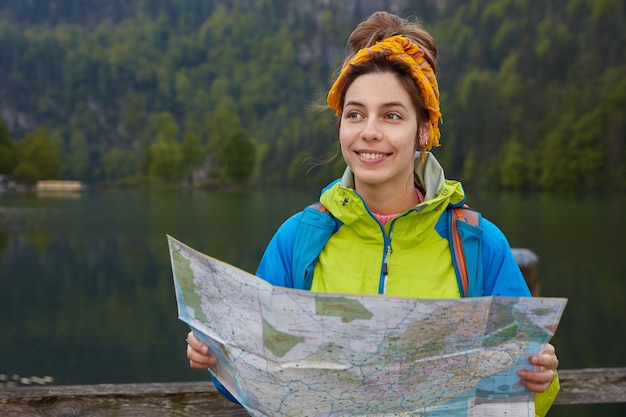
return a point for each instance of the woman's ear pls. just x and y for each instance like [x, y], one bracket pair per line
[424, 135]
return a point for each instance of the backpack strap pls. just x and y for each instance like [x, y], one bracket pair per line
[465, 233]
[316, 226]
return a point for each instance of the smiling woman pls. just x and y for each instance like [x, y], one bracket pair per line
[390, 215]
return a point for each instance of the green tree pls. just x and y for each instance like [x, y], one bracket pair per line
[9, 157]
[133, 117]
[78, 158]
[298, 168]
[193, 153]
[239, 156]
[469, 167]
[221, 124]
[586, 148]
[612, 105]
[514, 169]
[166, 159]
[119, 164]
[183, 88]
[39, 157]
[162, 125]
[556, 170]
[26, 172]
[162, 131]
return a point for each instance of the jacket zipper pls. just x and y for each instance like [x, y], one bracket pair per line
[382, 289]
[387, 249]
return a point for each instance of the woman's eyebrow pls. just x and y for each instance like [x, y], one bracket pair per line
[359, 104]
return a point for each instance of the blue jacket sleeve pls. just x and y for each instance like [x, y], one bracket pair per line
[502, 275]
[276, 264]
[223, 390]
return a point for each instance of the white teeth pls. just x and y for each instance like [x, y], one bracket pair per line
[367, 155]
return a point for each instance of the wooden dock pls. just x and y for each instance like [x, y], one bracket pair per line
[200, 399]
[64, 186]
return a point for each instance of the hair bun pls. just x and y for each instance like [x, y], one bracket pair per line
[382, 25]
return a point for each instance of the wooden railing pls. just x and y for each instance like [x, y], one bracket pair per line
[196, 399]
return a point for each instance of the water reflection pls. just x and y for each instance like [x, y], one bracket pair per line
[86, 291]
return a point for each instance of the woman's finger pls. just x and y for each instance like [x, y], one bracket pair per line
[196, 344]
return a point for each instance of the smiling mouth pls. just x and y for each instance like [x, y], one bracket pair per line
[371, 156]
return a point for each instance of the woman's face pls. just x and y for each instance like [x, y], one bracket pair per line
[378, 131]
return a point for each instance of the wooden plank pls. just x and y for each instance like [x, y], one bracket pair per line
[200, 399]
[188, 399]
[528, 262]
[592, 386]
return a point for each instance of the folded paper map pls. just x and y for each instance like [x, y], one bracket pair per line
[286, 352]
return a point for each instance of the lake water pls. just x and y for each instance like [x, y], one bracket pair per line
[86, 292]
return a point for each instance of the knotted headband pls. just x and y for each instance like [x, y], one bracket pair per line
[398, 48]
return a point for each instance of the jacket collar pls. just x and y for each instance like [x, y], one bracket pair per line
[429, 176]
[439, 192]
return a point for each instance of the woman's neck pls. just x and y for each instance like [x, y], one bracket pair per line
[386, 200]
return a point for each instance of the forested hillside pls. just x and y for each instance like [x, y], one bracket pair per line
[136, 91]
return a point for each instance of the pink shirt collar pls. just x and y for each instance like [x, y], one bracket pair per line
[385, 218]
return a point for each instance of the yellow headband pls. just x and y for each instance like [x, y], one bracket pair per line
[400, 48]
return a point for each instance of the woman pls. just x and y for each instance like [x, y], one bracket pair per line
[393, 203]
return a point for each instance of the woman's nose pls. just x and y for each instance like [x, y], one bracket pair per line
[371, 130]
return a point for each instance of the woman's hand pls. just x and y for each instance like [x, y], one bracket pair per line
[198, 353]
[545, 364]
